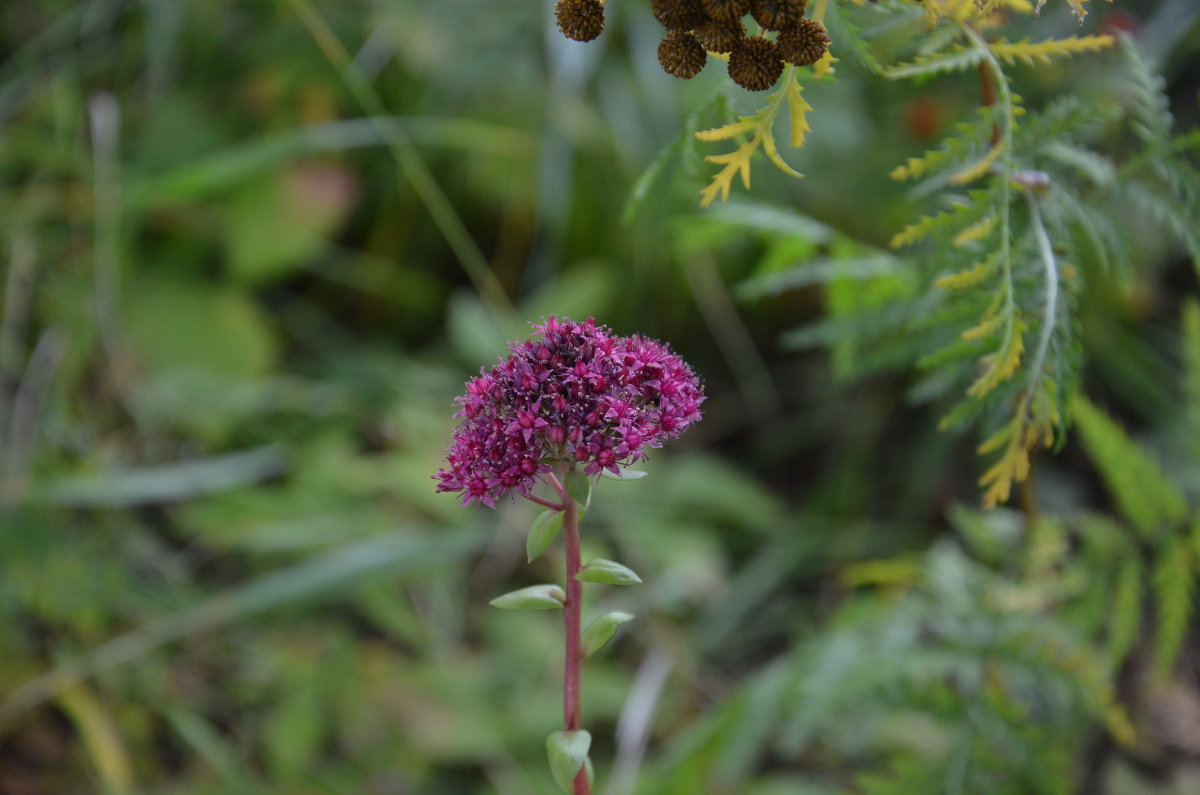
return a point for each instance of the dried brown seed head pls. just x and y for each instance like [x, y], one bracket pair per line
[754, 63]
[581, 20]
[681, 55]
[804, 43]
[679, 14]
[719, 35]
[726, 9]
[778, 14]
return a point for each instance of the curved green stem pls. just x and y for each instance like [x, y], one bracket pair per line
[1051, 298]
[1006, 141]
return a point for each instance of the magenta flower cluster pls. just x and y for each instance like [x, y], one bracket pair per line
[572, 392]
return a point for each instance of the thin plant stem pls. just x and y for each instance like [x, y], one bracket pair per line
[554, 506]
[1000, 84]
[573, 658]
[559, 489]
[1050, 282]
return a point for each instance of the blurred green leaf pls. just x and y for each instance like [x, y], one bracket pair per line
[274, 225]
[600, 631]
[182, 323]
[545, 528]
[608, 572]
[579, 486]
[348, 566]
[167, 482]
[568, 753]
[535, 597]
[625, 474]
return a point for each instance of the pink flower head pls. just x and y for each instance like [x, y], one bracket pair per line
[611, 397]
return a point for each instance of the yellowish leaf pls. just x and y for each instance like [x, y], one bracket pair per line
[768, 144]
[798, 109]
[1013, 467]
[824, 64]
[102, 741]
[997, 439]
[985, 328]
[903, 572]
[979, 167]
[1045, 51]
[976, 231]
[911, 168]
[735, 163]
[761, 124]
[1000, 365]
[738, 160]
[743, 125]
[970, 277]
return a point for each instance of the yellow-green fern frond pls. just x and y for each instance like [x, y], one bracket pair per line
[1144, 495]
[798, 110]
[1032, 426]
[956, 59]
[955, 152]
[735, 163]
[1077, 8]
[1000, 365]
[1045, 51]
[976, 231]
[968, 278]
[978, 208]
[957, 10]
[1191, 370]
[760, 127]
[979, 167]
[1020, 6]
[1174, 583]
[1013, 465]
[824, 64]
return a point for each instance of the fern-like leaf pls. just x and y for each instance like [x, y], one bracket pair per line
[976, 209]
[953, 152]
[957, 58]
[1191, 371]
[760, 127]
[1126, 613]
[1174, 582]
[1046, 51]
[1000, 365]
[970, 277]
[1145, 496]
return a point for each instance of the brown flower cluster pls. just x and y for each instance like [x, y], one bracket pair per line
[696, 28]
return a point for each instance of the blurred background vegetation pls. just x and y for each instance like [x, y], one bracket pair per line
[251, 251]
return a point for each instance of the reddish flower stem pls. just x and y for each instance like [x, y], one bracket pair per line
[554, 506]
[571, 621]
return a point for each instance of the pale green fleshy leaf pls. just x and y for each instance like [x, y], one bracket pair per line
[543, 531]
[602, 630]
[568, 752]
[608, 572]
[535, 597]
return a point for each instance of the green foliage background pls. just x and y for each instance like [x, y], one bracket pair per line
[252, 251]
